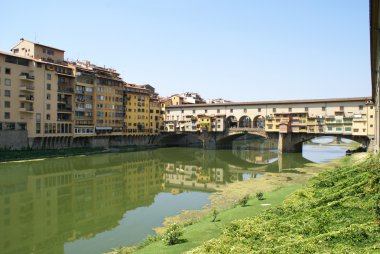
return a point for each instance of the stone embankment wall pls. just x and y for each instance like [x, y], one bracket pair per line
[91, 142]
[13, 140]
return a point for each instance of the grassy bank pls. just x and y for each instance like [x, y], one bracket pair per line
[204, 229]
[27, 154]
[14, 155]
[337, 212]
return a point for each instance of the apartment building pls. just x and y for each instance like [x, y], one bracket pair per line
[56, 100]
[137, 116]
[37, 92]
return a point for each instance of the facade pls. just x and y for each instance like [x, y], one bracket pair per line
[143, 110]
[55, 100]
[350, 116]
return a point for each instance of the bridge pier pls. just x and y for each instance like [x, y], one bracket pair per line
[289, 143]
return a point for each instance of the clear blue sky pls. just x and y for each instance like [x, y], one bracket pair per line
[242, 50]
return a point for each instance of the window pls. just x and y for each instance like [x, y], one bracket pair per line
[371, 107]
[289, 109]
[205, 110]
[7, 82]
[360, 107]
[323, 108]
[356, 130]
[371, 125]
[193, 111]
[231, 110]
[48, 76]
[48, 96]
[274, 110]
[47, 106]
[306, 109]
[168, 111]
[259, 110]
[8, 71]
[329, 128]
[341, 108]
[39, 65]
[7, 104]
[181, 111]
[7, 93]
[218, 111]
[7, 115]
[371, 116]
[47, 116]
[48, 86]
[245, 110]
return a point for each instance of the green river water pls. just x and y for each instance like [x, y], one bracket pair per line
[89, 204]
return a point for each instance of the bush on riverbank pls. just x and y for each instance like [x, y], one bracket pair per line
[338, 212]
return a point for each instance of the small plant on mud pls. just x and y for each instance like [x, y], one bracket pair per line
[214, 215]
[243, 202]
[172, 234]
[260, 195]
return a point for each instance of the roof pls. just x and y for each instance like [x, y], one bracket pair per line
[15, 55]
[364, 99]
[39, 44]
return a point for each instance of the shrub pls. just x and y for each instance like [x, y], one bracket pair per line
[172, 234]
[260, 195]
[243, 202]
[214, 215]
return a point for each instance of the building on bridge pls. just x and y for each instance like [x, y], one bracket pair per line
[339, 117]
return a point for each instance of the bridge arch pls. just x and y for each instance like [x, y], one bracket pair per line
[259, 122]
[245, 122]
[231, 122]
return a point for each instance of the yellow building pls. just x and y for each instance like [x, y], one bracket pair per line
[137, 112]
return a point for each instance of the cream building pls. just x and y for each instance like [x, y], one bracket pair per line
[346, 116]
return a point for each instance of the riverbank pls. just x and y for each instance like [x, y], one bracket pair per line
[336, 212]
[29, 154]
[275, 186]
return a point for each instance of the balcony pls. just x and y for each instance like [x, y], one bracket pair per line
[67, 109]
[26, 77]
[27, 98]
[27, 88]
[28, 109]
[65, 90]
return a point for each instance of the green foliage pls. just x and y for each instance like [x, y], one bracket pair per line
[244, 200]
[172, 234]
[338, 212]
[260, 195]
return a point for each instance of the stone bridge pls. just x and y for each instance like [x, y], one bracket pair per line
[287, 142]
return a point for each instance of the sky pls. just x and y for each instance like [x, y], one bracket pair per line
[239, 50]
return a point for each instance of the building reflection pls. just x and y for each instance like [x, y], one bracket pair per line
[44, 204]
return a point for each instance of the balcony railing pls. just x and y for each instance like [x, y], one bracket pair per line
[65, 90]
[29, 98]
[26, 110]
[26, 87]
[26, 76]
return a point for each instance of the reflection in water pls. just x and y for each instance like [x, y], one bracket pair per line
[93, 203]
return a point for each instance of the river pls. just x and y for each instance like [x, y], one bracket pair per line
[90, 204]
